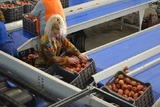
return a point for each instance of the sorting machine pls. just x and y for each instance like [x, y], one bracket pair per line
[108, 58]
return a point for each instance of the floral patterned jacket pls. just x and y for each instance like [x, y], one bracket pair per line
[49, 51]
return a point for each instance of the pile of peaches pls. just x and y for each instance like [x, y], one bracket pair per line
[8, 6]
[76, 67]
[24, 2]
[127, 87]
[30, 59]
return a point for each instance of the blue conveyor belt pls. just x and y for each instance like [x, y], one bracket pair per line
[102, 11]
[20, 37]
[126, 49]
[76, 2]
[103, 82]
[151, 75]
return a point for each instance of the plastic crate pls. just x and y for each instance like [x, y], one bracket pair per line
[29, 25]
[65, 3]
[65, 76]
[91, 91]
[78, 82]
[78, 39]
[12, 14]
[85, 74]
[75, 80]
[79, 79]
[144, 100]
[24, 56]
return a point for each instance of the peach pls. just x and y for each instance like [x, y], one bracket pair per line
[126, 68]
[118, 86]
[121, 82]
[135, 96]
[129, 87]
[127, 80]
[140, 93]
[126, 92]
[124, 86]
[139, 87]
[120, 91]
[120, 76]
[115, 89]
[134, 89]
[116, 81]
[110, 87]
[144, 88]
[134, 83]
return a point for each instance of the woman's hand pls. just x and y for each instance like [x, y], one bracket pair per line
[83, 57]
[73, 60]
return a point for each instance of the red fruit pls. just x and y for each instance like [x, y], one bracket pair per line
[135, 96]
[116, 81]
[125, 95]
[134, 89]
[132, 93]
[121, 82]
[126, 68]
[126, 92]
[127, 80]
[129, 87]
[139, 87]
[118, 86]
[124, 86]
[120, 76]
[120, 91]
[144, 88]
[110, 87]
[115, 89]
[78, 69]
[140, 92]
[134, 83]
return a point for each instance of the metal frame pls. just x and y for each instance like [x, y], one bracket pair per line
[46, 82]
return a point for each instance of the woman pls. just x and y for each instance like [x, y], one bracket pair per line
[44, 9]
[53, 41]
[6, 44]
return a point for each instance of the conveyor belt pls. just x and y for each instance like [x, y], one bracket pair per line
[151, 75]
[119, 52]
[102, 83]
[99, 11]
[20, 37]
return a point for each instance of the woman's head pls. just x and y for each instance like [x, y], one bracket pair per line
[55, 26]
[2, 17]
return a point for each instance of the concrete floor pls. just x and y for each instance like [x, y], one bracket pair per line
[104, 33]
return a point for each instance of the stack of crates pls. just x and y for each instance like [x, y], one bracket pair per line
[27, 5]
[12, 12]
